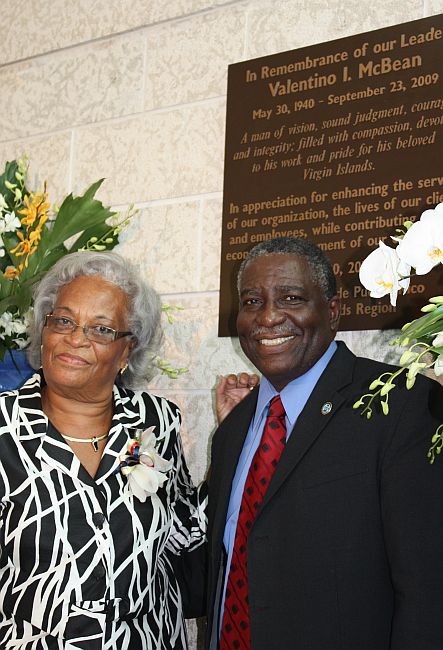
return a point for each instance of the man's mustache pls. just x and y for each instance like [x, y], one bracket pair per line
[278, 330]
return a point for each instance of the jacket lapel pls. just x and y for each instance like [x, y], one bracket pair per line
[125, 422]
[315, 417]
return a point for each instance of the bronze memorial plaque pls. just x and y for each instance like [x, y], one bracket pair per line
[340, 143]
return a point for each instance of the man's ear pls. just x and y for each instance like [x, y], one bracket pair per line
[334, 312]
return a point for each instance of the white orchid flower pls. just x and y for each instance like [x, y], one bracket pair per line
[11, 325]
[422, 245]
[438, 340]
[9, 222]
[21, 343]
[147, 475]
[6, 320]
[382, 273]
[3, 204]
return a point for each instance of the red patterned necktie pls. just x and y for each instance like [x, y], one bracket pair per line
[235, 630]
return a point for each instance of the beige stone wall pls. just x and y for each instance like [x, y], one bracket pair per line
[135, 91]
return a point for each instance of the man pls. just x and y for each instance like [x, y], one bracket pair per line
[341, 547]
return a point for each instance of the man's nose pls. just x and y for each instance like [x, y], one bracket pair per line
[270, 315]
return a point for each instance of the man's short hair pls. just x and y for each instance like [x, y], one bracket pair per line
[320, 266]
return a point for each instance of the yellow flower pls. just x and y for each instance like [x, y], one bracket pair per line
[36, 207]
[11, 272]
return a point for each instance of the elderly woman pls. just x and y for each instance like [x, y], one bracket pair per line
[96, 502]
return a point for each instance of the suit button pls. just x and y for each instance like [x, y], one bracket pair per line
[98, 519]
[99, 572]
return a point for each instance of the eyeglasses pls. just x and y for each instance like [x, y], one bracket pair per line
[97, 333]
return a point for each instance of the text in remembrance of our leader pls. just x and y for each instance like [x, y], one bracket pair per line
[340, 143]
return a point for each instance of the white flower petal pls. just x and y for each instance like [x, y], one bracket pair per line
[381, 273]
[422, 245]
[136, 490]
[147, 478]
[148, 439]
[438, 366]
[161, 464]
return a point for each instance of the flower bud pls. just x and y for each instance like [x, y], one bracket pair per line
[407, 357]
[386, 388]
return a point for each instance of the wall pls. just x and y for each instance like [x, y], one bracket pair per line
[135, 91]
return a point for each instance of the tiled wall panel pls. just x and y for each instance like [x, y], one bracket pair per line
[156, 155]
[32, 27]
[78, 86]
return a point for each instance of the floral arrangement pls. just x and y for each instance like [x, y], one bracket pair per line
[33, 237]
[387, 271]
[142, 465]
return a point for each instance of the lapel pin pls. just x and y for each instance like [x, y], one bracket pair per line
[326, 408]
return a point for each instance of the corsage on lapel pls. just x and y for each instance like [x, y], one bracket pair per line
[142, 465]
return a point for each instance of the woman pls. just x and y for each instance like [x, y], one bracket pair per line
[96, 501]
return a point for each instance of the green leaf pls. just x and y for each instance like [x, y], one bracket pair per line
[7, 179]
[21, 301]
[77, 214]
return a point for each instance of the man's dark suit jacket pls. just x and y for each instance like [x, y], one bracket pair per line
[346, 552]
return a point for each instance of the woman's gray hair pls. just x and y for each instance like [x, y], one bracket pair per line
[144, 308]
[319, 264]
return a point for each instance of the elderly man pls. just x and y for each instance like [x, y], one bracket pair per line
[326, 528]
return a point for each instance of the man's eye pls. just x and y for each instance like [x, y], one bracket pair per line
[250, 301]
[292, 298]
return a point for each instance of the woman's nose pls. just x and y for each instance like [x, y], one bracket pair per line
[78, 336]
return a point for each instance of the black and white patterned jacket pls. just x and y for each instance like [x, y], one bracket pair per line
[84, 564]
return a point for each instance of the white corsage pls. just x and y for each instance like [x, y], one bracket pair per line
[144, 468]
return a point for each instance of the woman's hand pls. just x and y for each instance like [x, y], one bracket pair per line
[230, 391]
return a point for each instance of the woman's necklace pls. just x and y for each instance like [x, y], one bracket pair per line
[94, 440]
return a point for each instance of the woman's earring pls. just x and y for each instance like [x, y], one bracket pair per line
[123, 369]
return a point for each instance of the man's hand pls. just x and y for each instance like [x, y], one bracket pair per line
[231, 390]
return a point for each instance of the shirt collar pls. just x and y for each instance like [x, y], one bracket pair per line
[295, 395]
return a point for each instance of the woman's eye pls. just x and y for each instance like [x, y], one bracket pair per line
[63, 322]
[102, 330]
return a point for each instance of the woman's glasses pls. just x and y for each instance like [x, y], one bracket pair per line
[98, 333]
